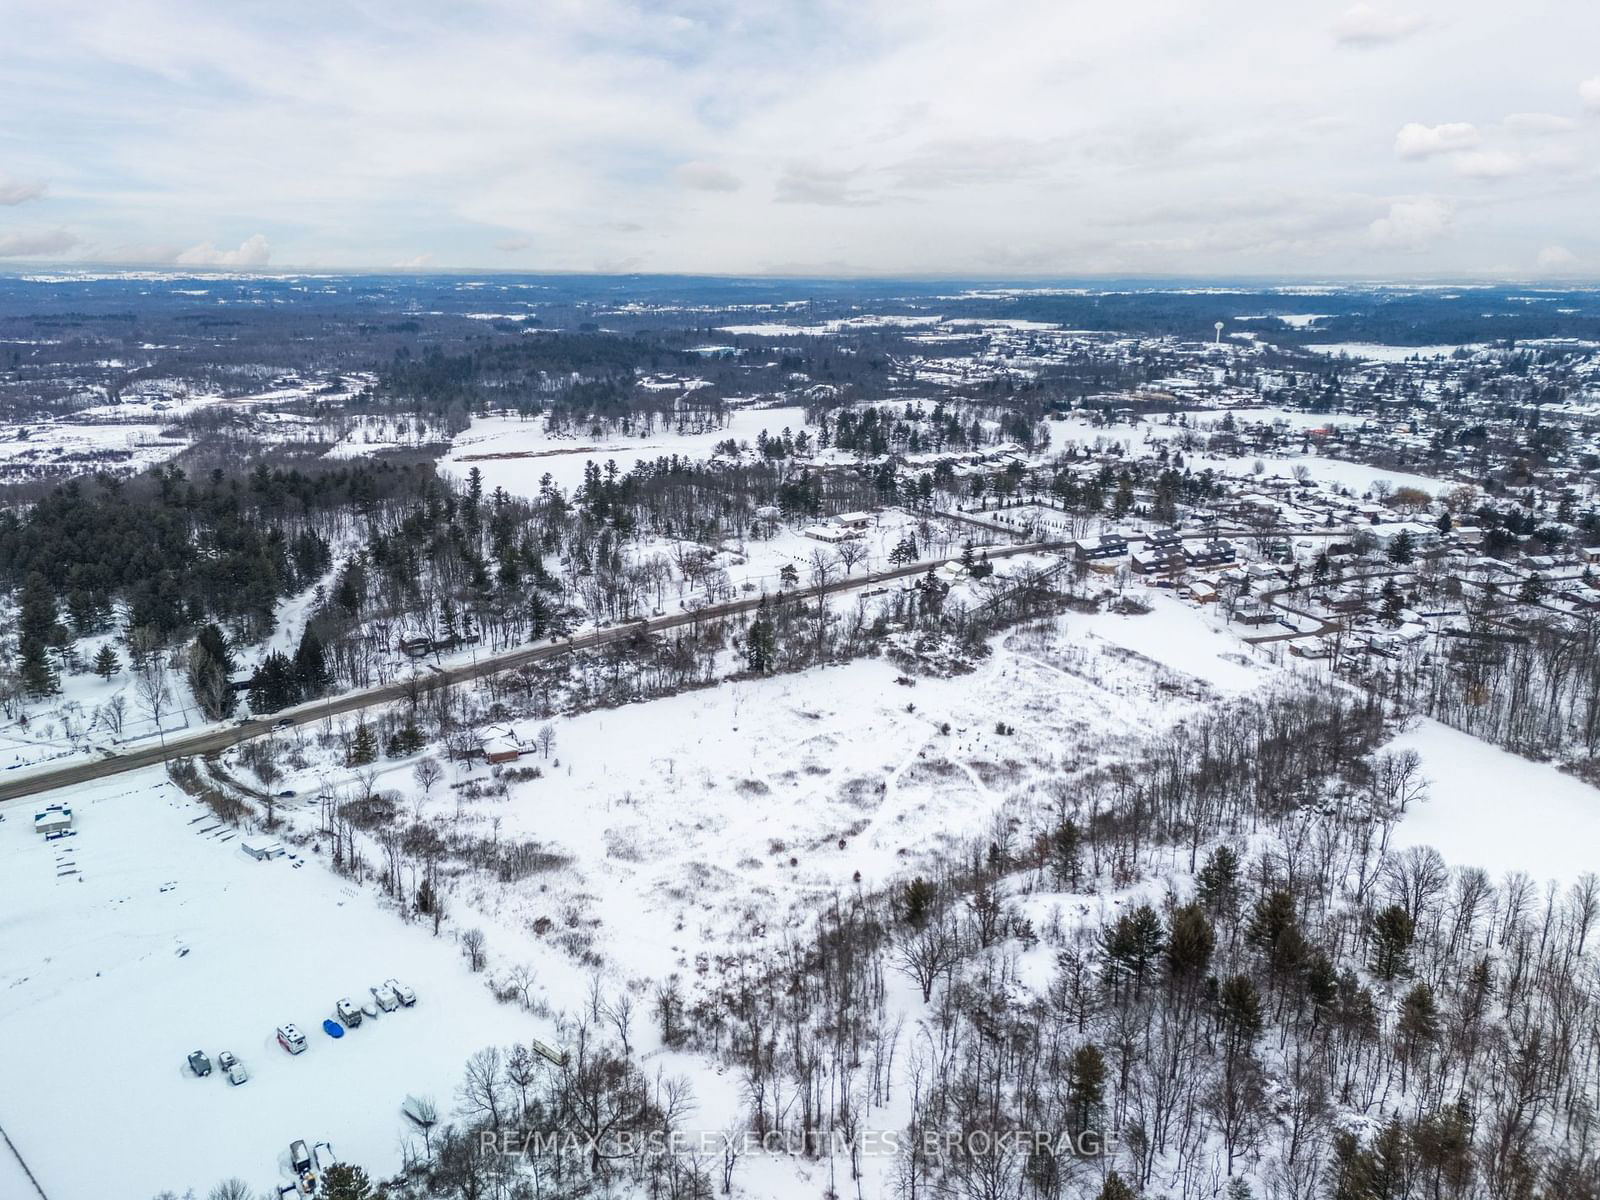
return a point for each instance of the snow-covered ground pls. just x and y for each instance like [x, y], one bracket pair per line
[1377, 352]
[145, 937]
[701, 824]
[516, 454]
[53, 448]
[690, 830]
[1487, 807]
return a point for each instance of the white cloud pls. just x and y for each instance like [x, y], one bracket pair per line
[820, 185]
[421, 262]
[252, 252]
[18, 191]
[707, 177]
[1538, 124]
[1368, 25]
[1589, 92]
[1489, 164]
[1556, 258]
[1424, 141]
[1413, 223]
[28, 244]
[873, 137]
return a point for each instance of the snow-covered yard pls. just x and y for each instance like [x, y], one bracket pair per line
[142, 938]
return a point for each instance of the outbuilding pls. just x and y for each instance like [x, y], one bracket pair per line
[57, 818]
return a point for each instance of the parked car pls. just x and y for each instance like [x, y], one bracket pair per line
[287, 794]
[402, 993]
[348, 1012]
[227, 1059]
[291, 1039]
[284, 722]
[199, 1063]
[386, 999]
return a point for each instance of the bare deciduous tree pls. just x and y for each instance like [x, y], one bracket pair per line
[475, 946]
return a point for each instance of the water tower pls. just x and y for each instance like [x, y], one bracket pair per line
[1218, 342]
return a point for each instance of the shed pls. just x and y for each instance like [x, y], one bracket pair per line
[57, 818]
[262, 848]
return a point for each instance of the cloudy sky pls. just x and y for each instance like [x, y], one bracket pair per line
[1012, 138]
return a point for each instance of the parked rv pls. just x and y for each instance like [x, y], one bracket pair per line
[385, 998]
[404, 994]
[232, 1069]
[291, 1039]
[347, 1011]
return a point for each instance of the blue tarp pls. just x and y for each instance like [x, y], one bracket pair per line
[332, 1028]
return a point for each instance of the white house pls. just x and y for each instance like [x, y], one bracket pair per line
[831, 534]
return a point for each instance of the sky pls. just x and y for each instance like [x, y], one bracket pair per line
[1019, 138]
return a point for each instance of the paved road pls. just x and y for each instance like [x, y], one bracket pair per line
[27, 783]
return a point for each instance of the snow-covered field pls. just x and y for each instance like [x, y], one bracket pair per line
[61, 448]
[516, 454]
[1487, 807]
[1377, 352]
[143, 938]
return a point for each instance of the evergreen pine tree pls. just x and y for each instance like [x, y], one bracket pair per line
[919, 897]
[344, 1182]
[106, 663]
[1190, 944]
[311, 664]
[1066, 852]
[761, 645]
[364, 746]
[216, 645]
[37, 617]
[38, 674]
[275, 684]
[1392, 932]
[1086, 1083]
[1217, 884]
